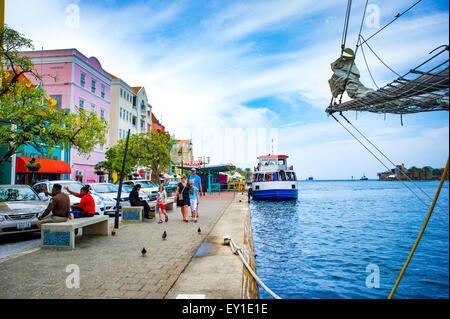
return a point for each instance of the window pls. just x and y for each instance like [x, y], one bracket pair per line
[103, 91]
[102, 114]
[92, 108]
[133, 120]
[120, 92]
[82, 79]
[127, 115]
[142, 125]
[120, 113]
[81, 104]
[58, 99]
[142, 106]
[101, 147]
[93, 82]
[120, 133]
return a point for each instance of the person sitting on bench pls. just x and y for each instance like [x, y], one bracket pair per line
[136, 201]
[86, 208]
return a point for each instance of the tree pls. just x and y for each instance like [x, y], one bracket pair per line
[150, 150]
[27, 116]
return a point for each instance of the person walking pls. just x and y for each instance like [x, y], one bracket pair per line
[194, 200]
[182, 197]
[161, 202]
[136, 201]
[59, 206]
[197, 180]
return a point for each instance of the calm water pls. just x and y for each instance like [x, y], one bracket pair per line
[320, 245]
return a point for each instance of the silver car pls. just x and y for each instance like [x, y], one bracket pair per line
[40, 186]
[109, 192]
[148, 188]
[20, 206]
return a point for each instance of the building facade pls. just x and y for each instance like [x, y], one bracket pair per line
[76, 82]
[129, 110]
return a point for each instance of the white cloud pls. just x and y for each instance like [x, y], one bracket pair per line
[200, 74]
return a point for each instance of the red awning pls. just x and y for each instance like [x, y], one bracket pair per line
[48, 166]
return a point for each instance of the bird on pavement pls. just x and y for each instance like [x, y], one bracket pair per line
[164, 235]
[143, 251]
[199, 231]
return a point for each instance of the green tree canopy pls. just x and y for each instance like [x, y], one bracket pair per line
[27, 116]
[150, 150]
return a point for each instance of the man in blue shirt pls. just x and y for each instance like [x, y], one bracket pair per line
[197, 180]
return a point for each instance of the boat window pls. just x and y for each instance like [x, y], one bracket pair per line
[266, 163]
[282, 176]
[255, 177]
[294, 178]
[272, 162]
[281, 161]
[288, 176]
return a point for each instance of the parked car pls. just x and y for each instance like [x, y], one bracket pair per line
[20, 207]
[74, 187]
[109, 191]
[148, 188]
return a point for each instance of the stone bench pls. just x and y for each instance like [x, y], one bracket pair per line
[132, 214]
[63, 234]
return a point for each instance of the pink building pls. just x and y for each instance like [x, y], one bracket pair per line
[76, 81]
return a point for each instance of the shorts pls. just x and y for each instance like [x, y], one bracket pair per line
[162, 206]
[193, 204]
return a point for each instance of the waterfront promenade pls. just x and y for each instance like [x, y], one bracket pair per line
[113, 267]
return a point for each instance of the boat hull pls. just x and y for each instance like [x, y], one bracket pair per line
[276, 190]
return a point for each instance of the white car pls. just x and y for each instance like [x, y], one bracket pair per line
[40, 186]
[109, 192]
[19, 208]
[148, 188]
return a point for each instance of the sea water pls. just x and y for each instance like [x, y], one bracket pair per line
[350, 239]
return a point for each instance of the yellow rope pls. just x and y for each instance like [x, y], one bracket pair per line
[444, 175]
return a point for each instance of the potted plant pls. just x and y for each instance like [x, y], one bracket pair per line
[33, 167]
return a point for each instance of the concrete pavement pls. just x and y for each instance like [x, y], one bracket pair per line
[112, 267]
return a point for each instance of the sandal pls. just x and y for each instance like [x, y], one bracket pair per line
[185, 220]
[167, 219]
[160, 221]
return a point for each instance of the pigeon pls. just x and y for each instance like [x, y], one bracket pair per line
[143, 251]
[199, 231]
[164, 235]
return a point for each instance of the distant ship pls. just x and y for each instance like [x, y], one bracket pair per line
[310, 178]
[273, 179]
[364, 178]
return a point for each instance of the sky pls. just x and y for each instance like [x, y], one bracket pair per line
[249, 78]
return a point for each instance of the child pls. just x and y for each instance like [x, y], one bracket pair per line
[194, 199]
[161, 202]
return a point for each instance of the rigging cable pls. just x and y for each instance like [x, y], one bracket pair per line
[347, 19]
[400, 276]
[395, 18]
[379, 57]
[356, 50]
[392, 163]
[412, 191]
[367, 66]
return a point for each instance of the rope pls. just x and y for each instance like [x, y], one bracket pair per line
[367, 66]
[356, 50]
[236, 250]
[344, 32]
[421, 232]
[379, 58]
[392, 163]
[396, 17]
[384, 165]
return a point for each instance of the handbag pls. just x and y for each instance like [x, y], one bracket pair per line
[180, 195]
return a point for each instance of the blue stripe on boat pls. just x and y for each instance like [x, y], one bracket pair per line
[275, 194]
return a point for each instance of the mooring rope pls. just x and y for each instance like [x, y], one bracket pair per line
[237, 251]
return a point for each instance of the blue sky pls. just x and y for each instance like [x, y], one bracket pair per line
[212, 67]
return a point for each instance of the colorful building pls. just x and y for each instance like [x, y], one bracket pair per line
[156, 125]
[76, 82]
[129, 110]
[181, 153]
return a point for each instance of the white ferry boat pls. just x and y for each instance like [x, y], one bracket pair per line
[272, 179]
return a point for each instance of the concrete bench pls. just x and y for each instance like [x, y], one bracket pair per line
[169, 204]
[63, 234]
[132, 214]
